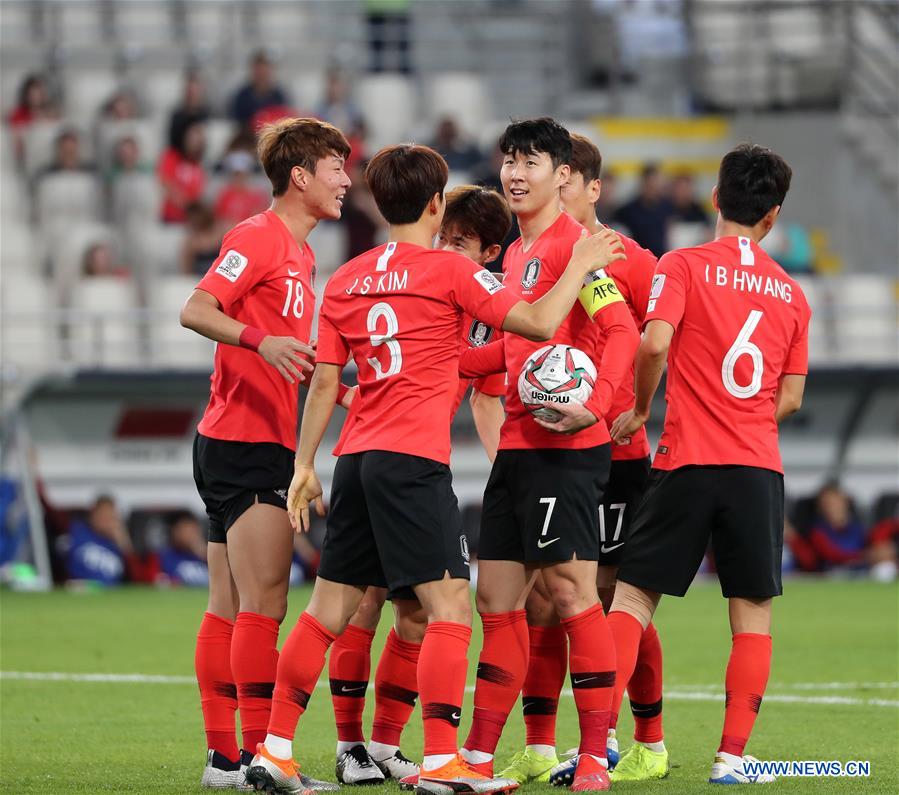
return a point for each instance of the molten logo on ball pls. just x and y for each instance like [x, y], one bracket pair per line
[555, 374]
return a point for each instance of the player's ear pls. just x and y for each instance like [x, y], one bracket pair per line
[564, 174]
[770, 217]
[715, 198]
[299, 177]
[492, 252]
[595, 190]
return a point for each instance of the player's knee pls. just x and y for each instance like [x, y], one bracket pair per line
[635, 601]
[411, 627]
[540, 609]
[368, 614]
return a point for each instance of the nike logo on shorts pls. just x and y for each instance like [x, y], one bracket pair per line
[541, 543]
[606, 550]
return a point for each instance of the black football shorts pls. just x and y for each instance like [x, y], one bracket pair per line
[739, 508]
[232, 476]
[394, 522]
[542, 505]
[627, 483]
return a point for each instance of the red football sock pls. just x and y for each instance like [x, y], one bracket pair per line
[645, 689]
[442, 668]
[254, 663]
[547, 666]
[502, 667]
[301, 663]
[396, 688]
[592, 664]
[348, 669]
[218, 693]
[627, 632]
[745, 683]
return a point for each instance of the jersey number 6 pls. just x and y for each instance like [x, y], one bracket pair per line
[388, 338]
[743, 347]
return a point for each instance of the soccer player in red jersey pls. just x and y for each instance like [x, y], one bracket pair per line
[475, 223]
[540, 514]
[257, 302]
[629, 471]
[394, 520]
[734, 328]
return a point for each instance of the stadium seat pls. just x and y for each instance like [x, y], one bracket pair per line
[149, 135]
[328, 241]
[219, 133]
[160, 89]
[388, 103]
[105, 328]
[460, 95]
[144, 22]
[78, 24]
[821, 332]
[171, 345]
[158, 247]
[135, 199]
[28, 341]
[18, 251]
[39, 146]
[68, 196]
[867, 318]
[14, 205]
[66, 247]
[85, 91]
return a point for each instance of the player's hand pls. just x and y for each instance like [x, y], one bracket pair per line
[574, 418]
[592, 252]
[349, 397]
[304, 490]
[626, 425]
[288, 356]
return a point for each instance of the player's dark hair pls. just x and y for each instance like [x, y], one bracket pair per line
[751, 181]
[537, 135]
[297, 142]
[403, 179]
[585, 158]
[474, 211]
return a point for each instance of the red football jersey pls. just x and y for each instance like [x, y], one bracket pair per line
[740, 323]
[633, 276]
[529, 275]
[398, 310]
[261, 278]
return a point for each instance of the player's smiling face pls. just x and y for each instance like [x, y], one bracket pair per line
[328, 187]
[530, 181]
[468, 245]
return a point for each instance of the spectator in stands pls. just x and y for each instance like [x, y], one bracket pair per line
[837, 536]
[193, 107]
[121, 106]
[239, 198]
[647, 215]
[202, 241]
[884, 549]
[337, 107]
[260, 94]
[100, 548]
[181, 173]
[608, 203]
[35, 103]
[363, 221]
[685, 208]
[460, 155]
[183, 560]
[67, 155]
[99, 260]
[243, 141]
[127, 158]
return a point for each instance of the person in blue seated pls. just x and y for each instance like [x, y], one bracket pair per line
[183, 561]
[837, 535]
[100, 548]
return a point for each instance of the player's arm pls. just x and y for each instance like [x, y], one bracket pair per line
[540, 321]
[486, 360]
[789, 396]
[489, 416]
[651, 357]
[305, 487]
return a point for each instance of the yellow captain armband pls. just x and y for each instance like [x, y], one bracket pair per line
[599, 294]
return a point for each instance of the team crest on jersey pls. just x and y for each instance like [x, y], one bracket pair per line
[531, 273]
[488, 281]
[479, 334]
[232, 265]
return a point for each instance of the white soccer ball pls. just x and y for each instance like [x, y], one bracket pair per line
[555, 375]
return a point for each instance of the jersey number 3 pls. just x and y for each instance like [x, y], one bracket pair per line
[378, 312]
[743, 347]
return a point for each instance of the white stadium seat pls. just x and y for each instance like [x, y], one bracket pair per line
[39, 145]
[28, 333]
[66, 247]
[328, 241]
[865, 311]
[389, 105]
[68, 196]
[135, 199]
[148, 134]
[106, 331]
[141, 21]
[172, 345]
[461, 96]
[86, 90]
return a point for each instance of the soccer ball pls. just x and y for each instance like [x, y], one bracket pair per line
[554, 375]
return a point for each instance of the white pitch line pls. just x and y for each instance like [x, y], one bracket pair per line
[671, 695]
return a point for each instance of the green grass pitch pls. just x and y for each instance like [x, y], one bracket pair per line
[835, 658]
